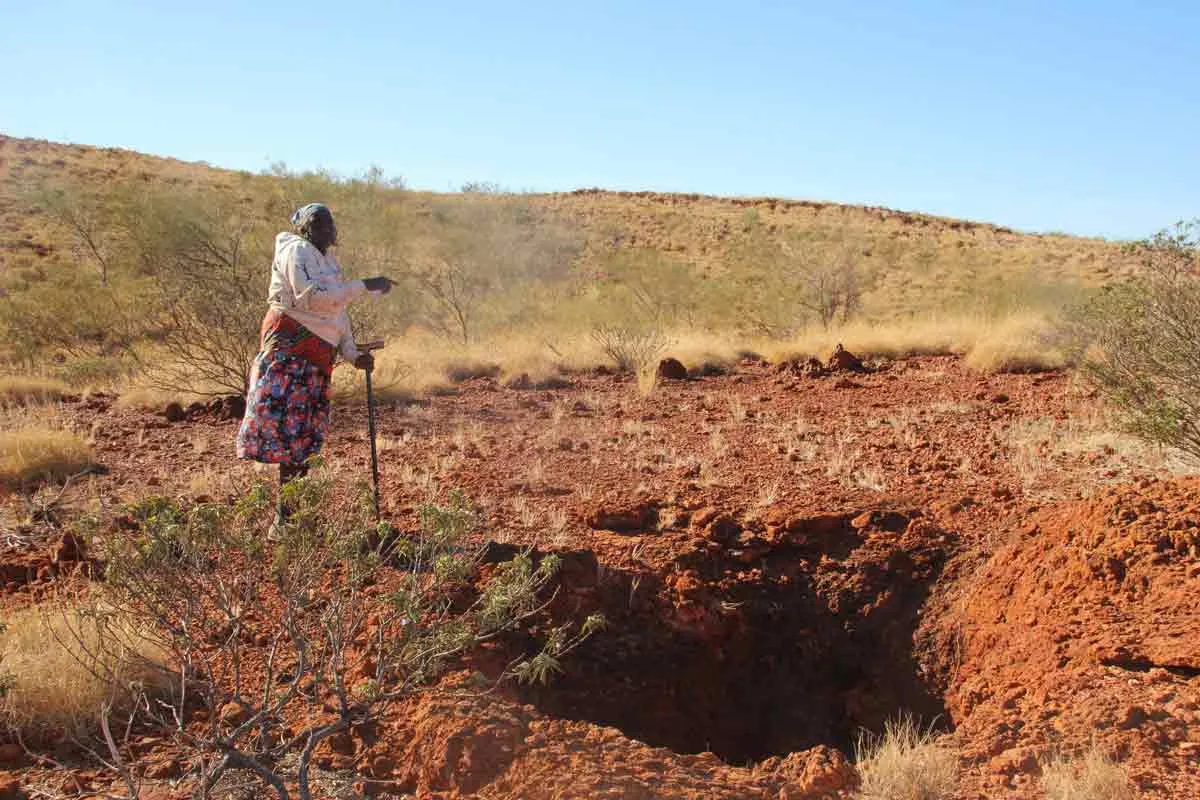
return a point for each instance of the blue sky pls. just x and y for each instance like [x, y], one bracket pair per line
[1078, 116]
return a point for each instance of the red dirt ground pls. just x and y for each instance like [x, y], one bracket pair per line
[784, 561]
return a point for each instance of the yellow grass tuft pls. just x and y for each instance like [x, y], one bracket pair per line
[1018, 344]
[29, 390]
[698, 350]
[896, 339]
[1092, 776]
[62, 667]
[39, 452]
[906, 762]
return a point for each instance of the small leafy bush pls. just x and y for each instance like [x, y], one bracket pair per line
[1139, 341]
[209, 587]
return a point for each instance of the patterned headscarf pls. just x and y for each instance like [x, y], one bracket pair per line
[306, 213]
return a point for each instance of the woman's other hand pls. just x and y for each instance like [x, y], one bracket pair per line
[365, 361]
[381, 284]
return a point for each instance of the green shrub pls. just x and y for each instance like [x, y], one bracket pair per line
[208, 587]
[1139, 341]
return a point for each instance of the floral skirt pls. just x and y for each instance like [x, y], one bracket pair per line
[287, 410]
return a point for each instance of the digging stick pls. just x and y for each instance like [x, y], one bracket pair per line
[368, 348]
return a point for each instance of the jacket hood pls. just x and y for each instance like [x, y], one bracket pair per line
[288, 239]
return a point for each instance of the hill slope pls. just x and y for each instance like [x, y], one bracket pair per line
[922, 254]
[699, 264]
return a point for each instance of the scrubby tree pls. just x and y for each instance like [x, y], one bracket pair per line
[1139, 341]
[476, 249]
[206, 261]
[87, 220]
[269, 649]
[783, 282]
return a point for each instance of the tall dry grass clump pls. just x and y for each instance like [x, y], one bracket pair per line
[1020, 343]
[62, 669]
[1092, 776]
[21, 390]
[40, 452]
[905, 763]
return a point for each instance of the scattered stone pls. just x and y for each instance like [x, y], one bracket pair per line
[11, 753]
[843, 360]
[233, 407]
[164, 770]
[820, 771]
[803, 368]
[1015, 761]
[233, 714]
[10, 788]
[70, 548]
[708, 369]
[639, 517]
[999, 398]
[174, 412]
[672, 369]
[520, 381]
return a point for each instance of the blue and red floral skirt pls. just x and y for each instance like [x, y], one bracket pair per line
[287, 403]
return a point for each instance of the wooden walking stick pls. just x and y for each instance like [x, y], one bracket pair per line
[371, 347]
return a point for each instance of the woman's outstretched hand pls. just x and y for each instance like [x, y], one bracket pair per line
[365, 361]
[381, 284]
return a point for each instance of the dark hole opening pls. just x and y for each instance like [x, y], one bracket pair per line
[763, 668]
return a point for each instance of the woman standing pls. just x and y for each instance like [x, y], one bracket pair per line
[287, 403]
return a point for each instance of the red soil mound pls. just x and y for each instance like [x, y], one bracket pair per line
[1086, 627]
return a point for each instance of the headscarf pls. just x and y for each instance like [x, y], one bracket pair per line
[305, 213]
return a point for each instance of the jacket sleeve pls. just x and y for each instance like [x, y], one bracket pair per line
[346, 341]
[314, 293]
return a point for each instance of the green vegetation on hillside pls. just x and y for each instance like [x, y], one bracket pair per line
[116, 265]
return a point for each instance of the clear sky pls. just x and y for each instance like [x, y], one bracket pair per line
[1073, 116]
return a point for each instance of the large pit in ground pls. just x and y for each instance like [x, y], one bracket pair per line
[757, 644]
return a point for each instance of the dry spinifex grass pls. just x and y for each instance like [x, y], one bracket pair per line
[23, 390]
[41, 452]
[906, 762]
[62, 668]
[1091, 776]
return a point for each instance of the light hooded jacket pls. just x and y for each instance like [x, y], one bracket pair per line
[308, 287]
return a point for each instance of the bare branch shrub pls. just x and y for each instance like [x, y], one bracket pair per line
[789, 280]
[208, 268]
[631, 349]
[88, 221]
[477, 248]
